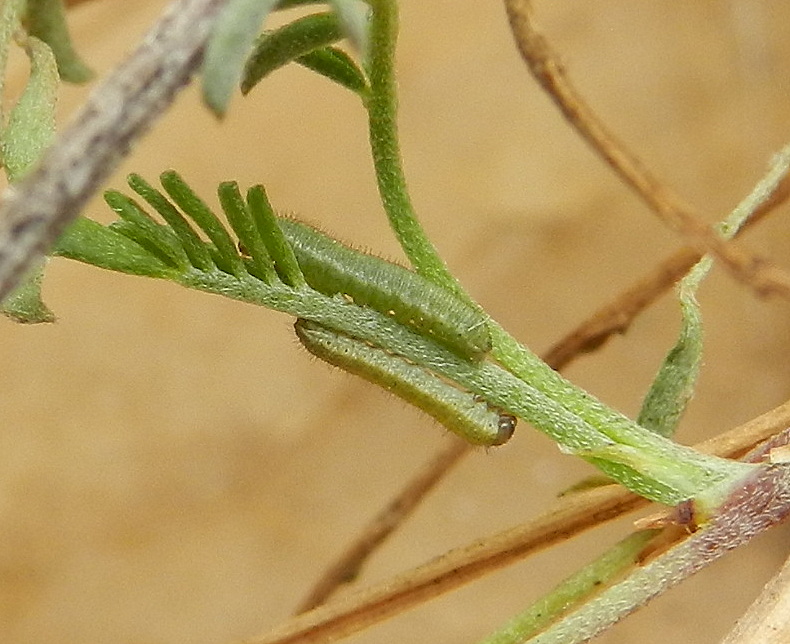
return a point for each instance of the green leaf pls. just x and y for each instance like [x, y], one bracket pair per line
[337, 66]
[673, 387]
[227, 50]
[207, 221]
[289, 42]
[243, 224]
[576, 589]
[353, 16]
[47, 21]
[272, 235]
[25, 305]
[31, 124]
[195, 249]
[88, 241]
[141, 228]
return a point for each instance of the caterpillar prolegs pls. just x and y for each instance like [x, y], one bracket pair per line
[459, 411]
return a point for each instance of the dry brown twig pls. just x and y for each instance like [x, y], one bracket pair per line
[545, 65]
[349, 564]
[768, 619]
[571, 515]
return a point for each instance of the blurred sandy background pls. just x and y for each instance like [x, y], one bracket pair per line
[174, 469]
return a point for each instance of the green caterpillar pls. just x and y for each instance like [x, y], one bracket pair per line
[459, 411]
[332, 268]
[298, 252]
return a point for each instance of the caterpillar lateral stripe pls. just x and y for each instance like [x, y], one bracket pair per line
[460, 411]
[333, 268]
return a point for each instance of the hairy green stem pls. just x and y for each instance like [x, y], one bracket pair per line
[574, 590]
[760, 503]
[622, 448]
[381, 103]
[650, 465]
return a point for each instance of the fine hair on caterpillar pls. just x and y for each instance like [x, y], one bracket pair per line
[333, 268]
[458, 410]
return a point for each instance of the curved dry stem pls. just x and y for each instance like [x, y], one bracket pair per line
[545, 65]
[571, 515]
[35, 211]
[349, 564]
[617, 315]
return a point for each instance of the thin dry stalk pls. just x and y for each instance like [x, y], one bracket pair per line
[768, 619]
[548, 70]
[350, 563]
[571, 515]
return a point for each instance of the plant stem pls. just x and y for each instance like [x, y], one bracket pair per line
[762, 501]
[574, 590]
[381, 104]
[658, 469]
[648, 464]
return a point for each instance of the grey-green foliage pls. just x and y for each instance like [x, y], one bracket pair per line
[31, 123]
[237, 54]
[29, 130]
[353, 16]
[229, 47]
[277, 48]
[46, 20]
[674, 384]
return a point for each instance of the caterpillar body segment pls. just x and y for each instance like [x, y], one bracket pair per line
[333, 268]
[460, 411]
